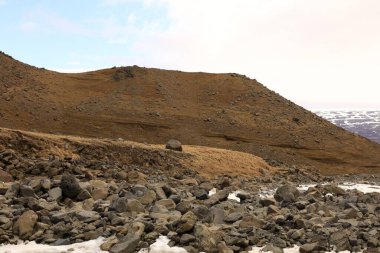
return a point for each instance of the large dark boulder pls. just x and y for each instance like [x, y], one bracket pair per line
[70, 186]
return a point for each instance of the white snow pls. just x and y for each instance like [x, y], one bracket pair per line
[161, 246]
[212, 192]
[295, 249]
[233, 196]
[365, 188]
[92, 246]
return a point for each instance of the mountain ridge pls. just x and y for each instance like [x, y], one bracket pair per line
[228, 111]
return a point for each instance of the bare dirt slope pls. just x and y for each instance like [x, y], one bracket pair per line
[207, 162]
[227, 111]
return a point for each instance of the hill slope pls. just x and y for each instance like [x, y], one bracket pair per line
[151, 105]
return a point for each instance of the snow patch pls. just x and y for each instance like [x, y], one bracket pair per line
[161, 246]
[365, 188]
[233, 196]
[212, 192]
[92, 246]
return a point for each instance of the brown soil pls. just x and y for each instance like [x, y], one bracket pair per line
[207, 162]
[225, 111]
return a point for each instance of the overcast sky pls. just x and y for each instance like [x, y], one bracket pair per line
[320, 54]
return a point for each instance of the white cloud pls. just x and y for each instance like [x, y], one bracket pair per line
[44, 20]
[306, 50]
[118, 2]
[28, 26]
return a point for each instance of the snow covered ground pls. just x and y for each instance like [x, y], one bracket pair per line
[32, 247]
[365, 123]
[161, 245]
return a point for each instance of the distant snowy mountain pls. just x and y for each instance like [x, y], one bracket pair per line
[365, 123]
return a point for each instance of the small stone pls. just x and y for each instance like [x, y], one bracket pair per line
[110, 241]
[201, 194]
[27, 191]
[134, 206]
[55, 193]
[46, 184]
[267, 202]
[187, 238]
[222, 248]
[309, 248]
[340, 240]
[83, 195]
[126, 245]
[174, 145]
[25, 224]
[232, 217]
[148, 198]
[13, 191]
[168, 203]
[135, 177]
[5, 177]
[99, 193]
[287, 193]
[187, 222]
[87, 216]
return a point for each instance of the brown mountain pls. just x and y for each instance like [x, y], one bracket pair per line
[226, 111]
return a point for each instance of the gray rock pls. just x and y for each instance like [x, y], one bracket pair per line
[217, 197]
[243, 196]
[124, 204]
[201, 194]
[120, 205]
[183, 206]
[187, 238]
[309, 248]
[186, 222]
[13, 191]
[340, 239]
[27, 191]
[70, 186]
[87, 216]
[249, 221]
[126, 245]
[272, 249]
[287, 193]
[168, 203]
[4, 220]
[208, 237]
[134, 206]
[148, 197]
[232, 217]
[222, 248]
[334, 189]
[176, 198]
[174, 145]
[110, 241]
[46, 184]
[267, 202]
[25, 224]
[217, 215]
[55, 193]
[83, 195]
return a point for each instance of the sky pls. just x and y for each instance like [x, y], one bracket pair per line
[321, 54]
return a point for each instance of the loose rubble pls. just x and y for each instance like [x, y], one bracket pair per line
[60, 201]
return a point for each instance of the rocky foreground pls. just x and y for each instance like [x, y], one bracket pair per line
[65, 199]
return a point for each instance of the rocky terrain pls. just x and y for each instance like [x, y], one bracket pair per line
[364, 123]
[76, 174]
[60, 190]
[227, 111]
